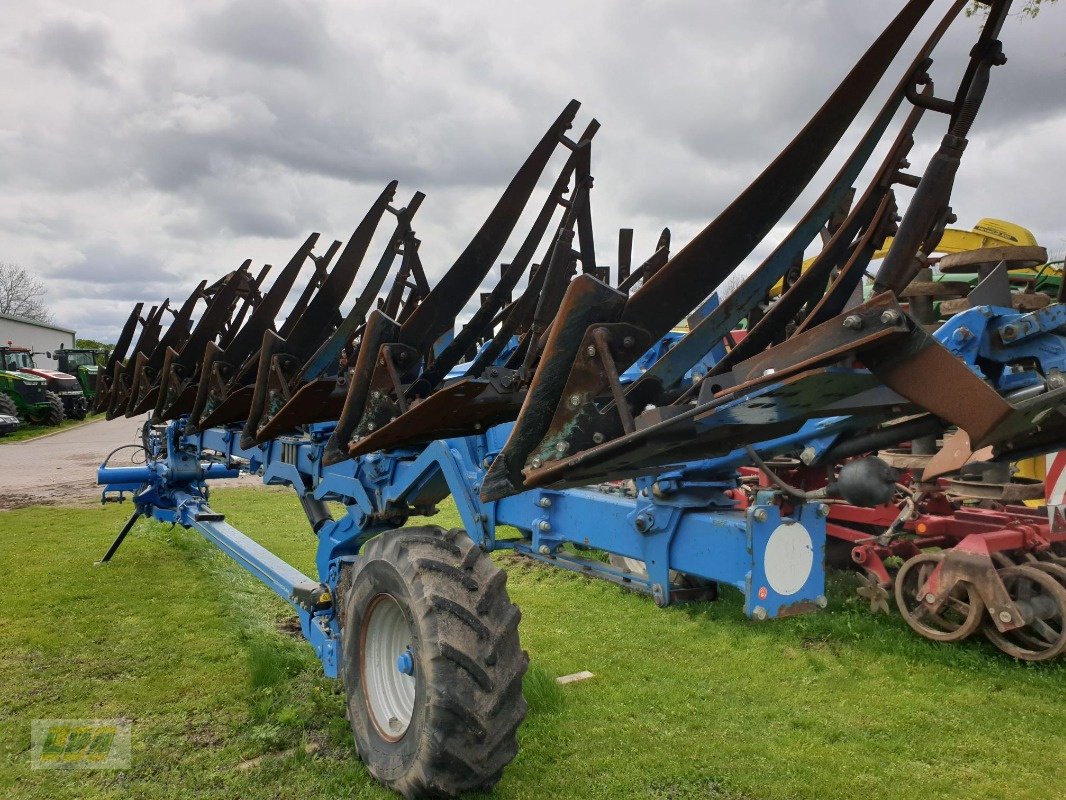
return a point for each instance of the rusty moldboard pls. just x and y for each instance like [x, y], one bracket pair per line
[698, 268]
[281, 358]
[221, 362]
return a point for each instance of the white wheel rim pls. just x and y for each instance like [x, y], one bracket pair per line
[390, 693]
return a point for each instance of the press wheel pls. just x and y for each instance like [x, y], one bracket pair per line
[1042, 603]
[959, 618]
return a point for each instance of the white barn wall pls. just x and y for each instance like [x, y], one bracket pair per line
[35, 335]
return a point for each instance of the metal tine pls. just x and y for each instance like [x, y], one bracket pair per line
[436, 313]
[665, 373]
[222, 360]
[122, 382]
[625, 255]
[284, 356]
[181, 369]
[482, 319]
[698, 268]
[665, 299]
[928, 209]
[316, 393]
[845, 281]
[520, 316]
[321, 263]
[403, 242]
[870, 216]
[410, 278]
[104, 375]
[655, 262]
[473, 403]
[232, 398]
[306, 334]
[146, 368]
[559, 266]
[250, 300]
[811, 286]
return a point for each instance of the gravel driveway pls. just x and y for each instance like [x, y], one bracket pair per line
[61, 468]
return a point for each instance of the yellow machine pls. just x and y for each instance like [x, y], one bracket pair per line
[986, 233]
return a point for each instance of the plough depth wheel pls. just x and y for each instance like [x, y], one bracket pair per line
[957, 620]
[432, 664]
[1042, 602]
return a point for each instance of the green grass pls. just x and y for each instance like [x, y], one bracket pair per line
[688, 702]
[26, 431]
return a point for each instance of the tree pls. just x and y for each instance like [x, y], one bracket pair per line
[22, 293]
[1030, 9]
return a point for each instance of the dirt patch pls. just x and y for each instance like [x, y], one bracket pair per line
[290, 626]
[61, 469]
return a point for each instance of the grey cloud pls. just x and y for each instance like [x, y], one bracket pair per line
[233, 131]
[80, 49]
[111, 265]
[264, 32]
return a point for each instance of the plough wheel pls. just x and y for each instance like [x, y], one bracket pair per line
[1042, 602]
[957, 620]
[1050, 557]
[1055, 570]
[432, 664]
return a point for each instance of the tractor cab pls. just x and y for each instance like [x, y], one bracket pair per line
[64, 386]
[84, 363]
[24, 395]
[16, 359]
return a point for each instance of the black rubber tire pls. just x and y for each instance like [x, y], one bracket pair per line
[54, 415]
[78, 410]
[7, 406]
[48, 413]
[468, 669]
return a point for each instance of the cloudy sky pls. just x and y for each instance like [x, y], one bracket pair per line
[145, 146]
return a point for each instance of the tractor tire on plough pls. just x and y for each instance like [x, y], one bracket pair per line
[569, 409]
[445, 720]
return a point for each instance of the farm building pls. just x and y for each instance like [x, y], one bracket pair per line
[40, 337]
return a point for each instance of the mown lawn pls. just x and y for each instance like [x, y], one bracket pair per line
[689, 702]
[27, 431]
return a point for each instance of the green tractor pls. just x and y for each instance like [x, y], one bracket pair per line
[85, 363]
[25, 395]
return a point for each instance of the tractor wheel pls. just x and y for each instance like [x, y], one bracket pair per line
[78, 409]
[7, 406]
[53, 414]
[431, 662]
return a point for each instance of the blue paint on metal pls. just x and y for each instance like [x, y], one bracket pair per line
[406, 662]
[681, 524]
[682, 519]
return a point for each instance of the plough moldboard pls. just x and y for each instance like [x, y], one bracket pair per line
[570, 408]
